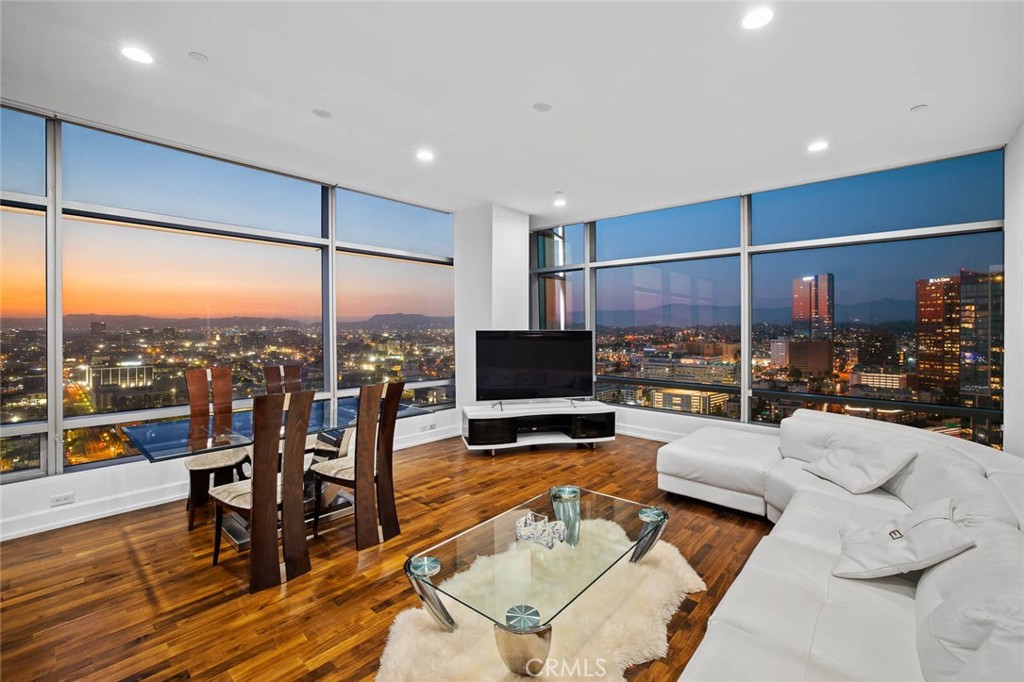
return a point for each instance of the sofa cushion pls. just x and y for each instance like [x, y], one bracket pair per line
[939, 472]
[859, 461]
[981, 597]
[725, 458]
[788, 477]
[1011, 485]
[919, 539]
[805, 435]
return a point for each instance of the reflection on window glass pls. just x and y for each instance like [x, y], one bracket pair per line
[560, 246]
[673, 399]
[22, 316]
[982, 429]
[110, 170]
[395, 320]
[697, 227]
[562, 301]
[22, 153]
[373, 221]
[20, 453]
[918, 321]
[142, 305]
[961, 190]
[670, 321]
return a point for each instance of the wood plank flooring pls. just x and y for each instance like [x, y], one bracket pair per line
[134, 597]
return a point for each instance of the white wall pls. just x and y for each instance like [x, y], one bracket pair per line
[492, 265]
[1013, 368]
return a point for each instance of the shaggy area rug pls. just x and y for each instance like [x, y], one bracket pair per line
[618, 622]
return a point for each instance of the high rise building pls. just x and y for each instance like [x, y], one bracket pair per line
[780, 352]
[878, 350]
[981, 338]
[814, 307]
[812, 358]
[938, 334]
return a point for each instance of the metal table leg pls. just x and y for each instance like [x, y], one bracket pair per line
[523, 642]
[418, 571]
[654, 519]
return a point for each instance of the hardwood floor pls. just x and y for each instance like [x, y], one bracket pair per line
[134, 596]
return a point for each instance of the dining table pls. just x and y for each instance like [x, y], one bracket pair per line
[161, 441]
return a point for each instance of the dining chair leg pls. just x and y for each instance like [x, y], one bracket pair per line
[198, 485]
[386, 508]
[218, 526]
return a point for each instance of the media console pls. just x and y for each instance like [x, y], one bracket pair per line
[513, 425]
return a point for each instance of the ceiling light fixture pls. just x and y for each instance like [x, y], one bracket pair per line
[817, 146]
[137, 54]
[425, 155]
[542, 107]
[757, 18]
[199, 57]
[559, 201]
[322, 113]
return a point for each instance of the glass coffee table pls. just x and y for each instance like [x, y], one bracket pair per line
[523, 567]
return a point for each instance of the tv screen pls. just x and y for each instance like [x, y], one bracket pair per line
[518, 365]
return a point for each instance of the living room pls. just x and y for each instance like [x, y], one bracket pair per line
[740, 219]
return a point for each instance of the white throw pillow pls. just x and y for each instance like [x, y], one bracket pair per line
[859, 463]
[922, 538]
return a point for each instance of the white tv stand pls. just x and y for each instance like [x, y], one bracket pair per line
[499, 426]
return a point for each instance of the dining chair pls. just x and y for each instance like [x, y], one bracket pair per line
[210, 387]
[370, 473]
[276, 484]
[282, 378]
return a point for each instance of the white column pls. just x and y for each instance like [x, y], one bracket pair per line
[492, 254]
[1013, 245]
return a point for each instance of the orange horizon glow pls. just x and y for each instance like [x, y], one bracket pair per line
[23, 263]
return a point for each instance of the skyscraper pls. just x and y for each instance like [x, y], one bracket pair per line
[981, 338]
[814, 307]
[877, 349]
[938, 334]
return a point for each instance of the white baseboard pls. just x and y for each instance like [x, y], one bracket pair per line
[647, 433]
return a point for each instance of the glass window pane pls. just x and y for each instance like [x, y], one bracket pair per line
[373, 221]
[22, 315]
[395, 320]
[670, 321]
[114, 171]
[697, 227]
[22, 153]
[561, 304]
[918, 321]
[639, 394]
[142, 305]
[19, 453]
[961, 190]
[560, 246]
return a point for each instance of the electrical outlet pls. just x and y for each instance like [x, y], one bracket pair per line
[431, 427]
[61, 500]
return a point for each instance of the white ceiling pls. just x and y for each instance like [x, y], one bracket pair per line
[654, 104]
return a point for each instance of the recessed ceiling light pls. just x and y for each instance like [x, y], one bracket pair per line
[137, 54]
[757, 18]
[817, 146]
[918, 108]
[199, 57]
[542, 107]
[559, 201]
[322, 113]
[425, 155]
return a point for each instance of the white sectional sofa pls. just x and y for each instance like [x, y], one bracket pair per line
[787, 617]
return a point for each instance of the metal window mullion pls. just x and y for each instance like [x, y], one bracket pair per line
[13, 429]
[590, 289]
[668, 258]
[746, 311]
[397, 254]
[54, 455]
[877, 237]
[330, 303]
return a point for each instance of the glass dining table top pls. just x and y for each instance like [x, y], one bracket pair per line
[159, 441]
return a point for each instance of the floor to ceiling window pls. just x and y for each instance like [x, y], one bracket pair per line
[878, 295]
[161, 260]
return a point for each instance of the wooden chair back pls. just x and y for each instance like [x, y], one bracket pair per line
[206, 386]
[282, 378]
[267, 417]
[366, 442]
[385, 460]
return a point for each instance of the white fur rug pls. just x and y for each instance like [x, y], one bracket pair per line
[616, 623]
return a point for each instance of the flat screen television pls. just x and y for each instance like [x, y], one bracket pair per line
[521, 365]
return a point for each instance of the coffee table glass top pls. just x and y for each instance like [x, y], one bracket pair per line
[531, 580]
